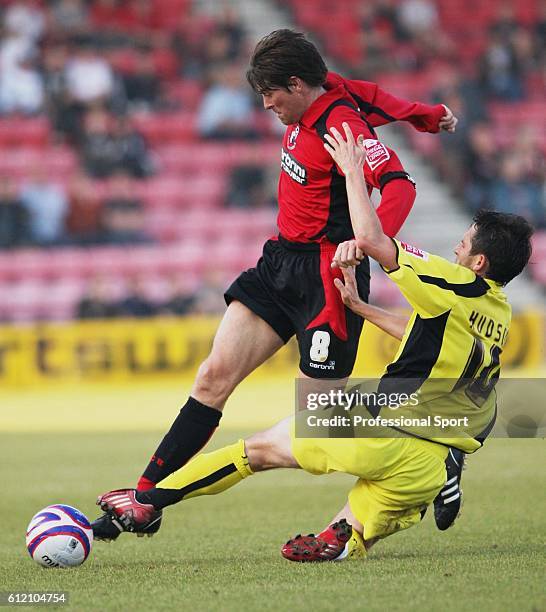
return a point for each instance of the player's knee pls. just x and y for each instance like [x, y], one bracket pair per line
[213, 382]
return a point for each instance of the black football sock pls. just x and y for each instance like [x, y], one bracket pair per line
[191, 430]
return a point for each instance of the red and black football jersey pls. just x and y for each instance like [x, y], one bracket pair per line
[312, 197]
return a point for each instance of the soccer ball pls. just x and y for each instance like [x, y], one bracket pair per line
[59, 536]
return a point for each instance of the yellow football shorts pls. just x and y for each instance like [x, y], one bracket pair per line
[397, 478]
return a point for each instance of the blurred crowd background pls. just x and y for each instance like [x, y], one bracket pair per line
[138, 170]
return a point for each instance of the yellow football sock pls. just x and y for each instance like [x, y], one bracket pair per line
[210, 473]
[354, 549]
[355, 546]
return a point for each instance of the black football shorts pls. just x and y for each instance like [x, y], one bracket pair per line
[292, 289]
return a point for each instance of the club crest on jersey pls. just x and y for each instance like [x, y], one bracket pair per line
[376, 153]
[293, 168]
[292, 138]
[411, 250]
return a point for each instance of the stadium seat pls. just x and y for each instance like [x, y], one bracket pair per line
[24, 132]
[187, 92]
[204, 191]
[166, 127]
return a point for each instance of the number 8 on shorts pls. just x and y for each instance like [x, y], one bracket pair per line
[319, 346]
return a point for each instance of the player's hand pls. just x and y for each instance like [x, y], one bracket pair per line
[448, 122]
[347, 255]
[348, 289]
[348, 154]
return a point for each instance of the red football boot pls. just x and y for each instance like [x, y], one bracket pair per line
[122, 505]
[325, 546]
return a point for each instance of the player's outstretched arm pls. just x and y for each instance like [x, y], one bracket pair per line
[424, 117]
[382, 107]
[369, 235]
[390, 322]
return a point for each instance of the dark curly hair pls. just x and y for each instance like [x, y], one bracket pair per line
[281, 55]
[505, 239]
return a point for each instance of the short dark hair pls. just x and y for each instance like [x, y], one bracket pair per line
[281, 55]
[505, 239]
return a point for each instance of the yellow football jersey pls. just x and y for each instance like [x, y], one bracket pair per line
[453, 339]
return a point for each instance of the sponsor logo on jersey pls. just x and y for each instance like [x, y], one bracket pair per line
[323, 366]
[293, 168]
[292, 138]
[411, 250]
[376, 153]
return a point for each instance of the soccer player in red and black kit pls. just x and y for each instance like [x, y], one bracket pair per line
[291, 290]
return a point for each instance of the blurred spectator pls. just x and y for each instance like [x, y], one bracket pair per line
[136, 303]
[466, 102]
[47, 206]
[180, 301]
[499, 71]
[142, 86]
[482, 161]
[452, 86]
[209, 297]
[217, 51]
[203, 44]
[387, 19]
[377, 25]
[89, 77]
[248, 187]
[26, 19]
[188, 42]
[512, 193]
[64, 115]
[85, 210]
[69, 17]
[111, 144]
[226, 111]
[418, 17]
[419, 23]
[505, 23]
[527, 149]
[13, 216]
[98, 147]
[13, 51]
[21, 89]
[123, 213]
[523, 49]
[229, 26]
[96, 303]
[131, 152]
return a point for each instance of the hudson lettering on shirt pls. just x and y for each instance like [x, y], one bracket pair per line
[487, 327]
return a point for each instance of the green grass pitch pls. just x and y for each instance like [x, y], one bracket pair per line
[222, 553]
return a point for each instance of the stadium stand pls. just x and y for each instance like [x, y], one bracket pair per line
[153, 63]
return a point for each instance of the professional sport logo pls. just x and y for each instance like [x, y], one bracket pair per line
[293, 168]
[376, 153]
[292, 138]
[411, 250]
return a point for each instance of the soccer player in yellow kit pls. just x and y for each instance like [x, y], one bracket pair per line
[456, 331]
